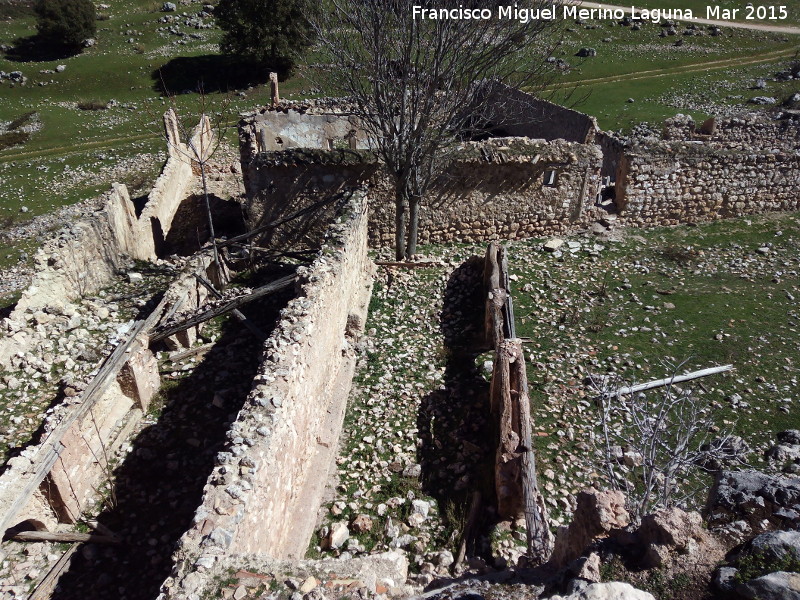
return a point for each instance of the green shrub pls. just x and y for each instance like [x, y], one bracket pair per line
[65, 22]
[13, 138]
[92, 105]
[759, 564]
[21, 120]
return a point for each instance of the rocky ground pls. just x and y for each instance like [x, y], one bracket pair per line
[416, 439]
[416, 443]
[65, 346]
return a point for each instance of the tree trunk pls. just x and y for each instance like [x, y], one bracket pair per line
[211, 232]
[400, 224]
[413, 226]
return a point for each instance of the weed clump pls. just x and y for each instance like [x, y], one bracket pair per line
[92, 105]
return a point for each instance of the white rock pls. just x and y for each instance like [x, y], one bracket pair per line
[613, 590]
[553, 244]
[338, 535]
[420, 507]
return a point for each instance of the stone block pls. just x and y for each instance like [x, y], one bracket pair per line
[139, 379]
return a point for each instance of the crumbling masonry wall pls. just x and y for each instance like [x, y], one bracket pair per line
[521, 115]
[85, 257]
[260, 498]
[503, 188]
[54, 480]
[172, 185]
[309, 128]
[747, 165]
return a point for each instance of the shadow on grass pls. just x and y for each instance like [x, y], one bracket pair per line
[208, 73]
[34, 48]
[160, 483]
[457, 443]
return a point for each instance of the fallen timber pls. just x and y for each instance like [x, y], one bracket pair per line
[231, 305]
[19, 484]
[260, 335]
[49, 451]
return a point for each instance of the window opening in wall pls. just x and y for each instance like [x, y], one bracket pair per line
[550, 178]
[279, 141]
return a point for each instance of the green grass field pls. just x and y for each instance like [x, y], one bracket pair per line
[720, 293]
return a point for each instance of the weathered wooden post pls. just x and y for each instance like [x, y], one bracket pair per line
[515, 467]
[273, 84]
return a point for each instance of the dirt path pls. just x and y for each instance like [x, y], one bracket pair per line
[719, 23]
[690, 68]
[58, 150]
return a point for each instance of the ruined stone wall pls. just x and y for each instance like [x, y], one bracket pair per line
[315, 128]
[172, 185]
[83, 257]
[279, 184]
[261, 497]
[737, 170]
[613, 149]
[55, 479]
[502, 188]
[755, 129]
[519, 114]
[86, 256]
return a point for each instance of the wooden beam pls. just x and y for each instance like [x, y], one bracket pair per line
[47, 585]
[179, 356]
[210, 313]
[472, 518]
[50, 448]
[407, 264]
[47, 536]
[254, 329]
[539, 537]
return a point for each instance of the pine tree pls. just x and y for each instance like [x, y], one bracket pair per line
[272, 33]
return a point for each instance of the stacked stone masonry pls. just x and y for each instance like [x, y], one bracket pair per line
[748, 165]
[81, 434]
[507, 188]
[260, 498]
[502, 188]
[86, 256]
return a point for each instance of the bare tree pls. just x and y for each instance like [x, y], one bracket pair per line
[651, 442]
[420, 84]
[198, 144]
